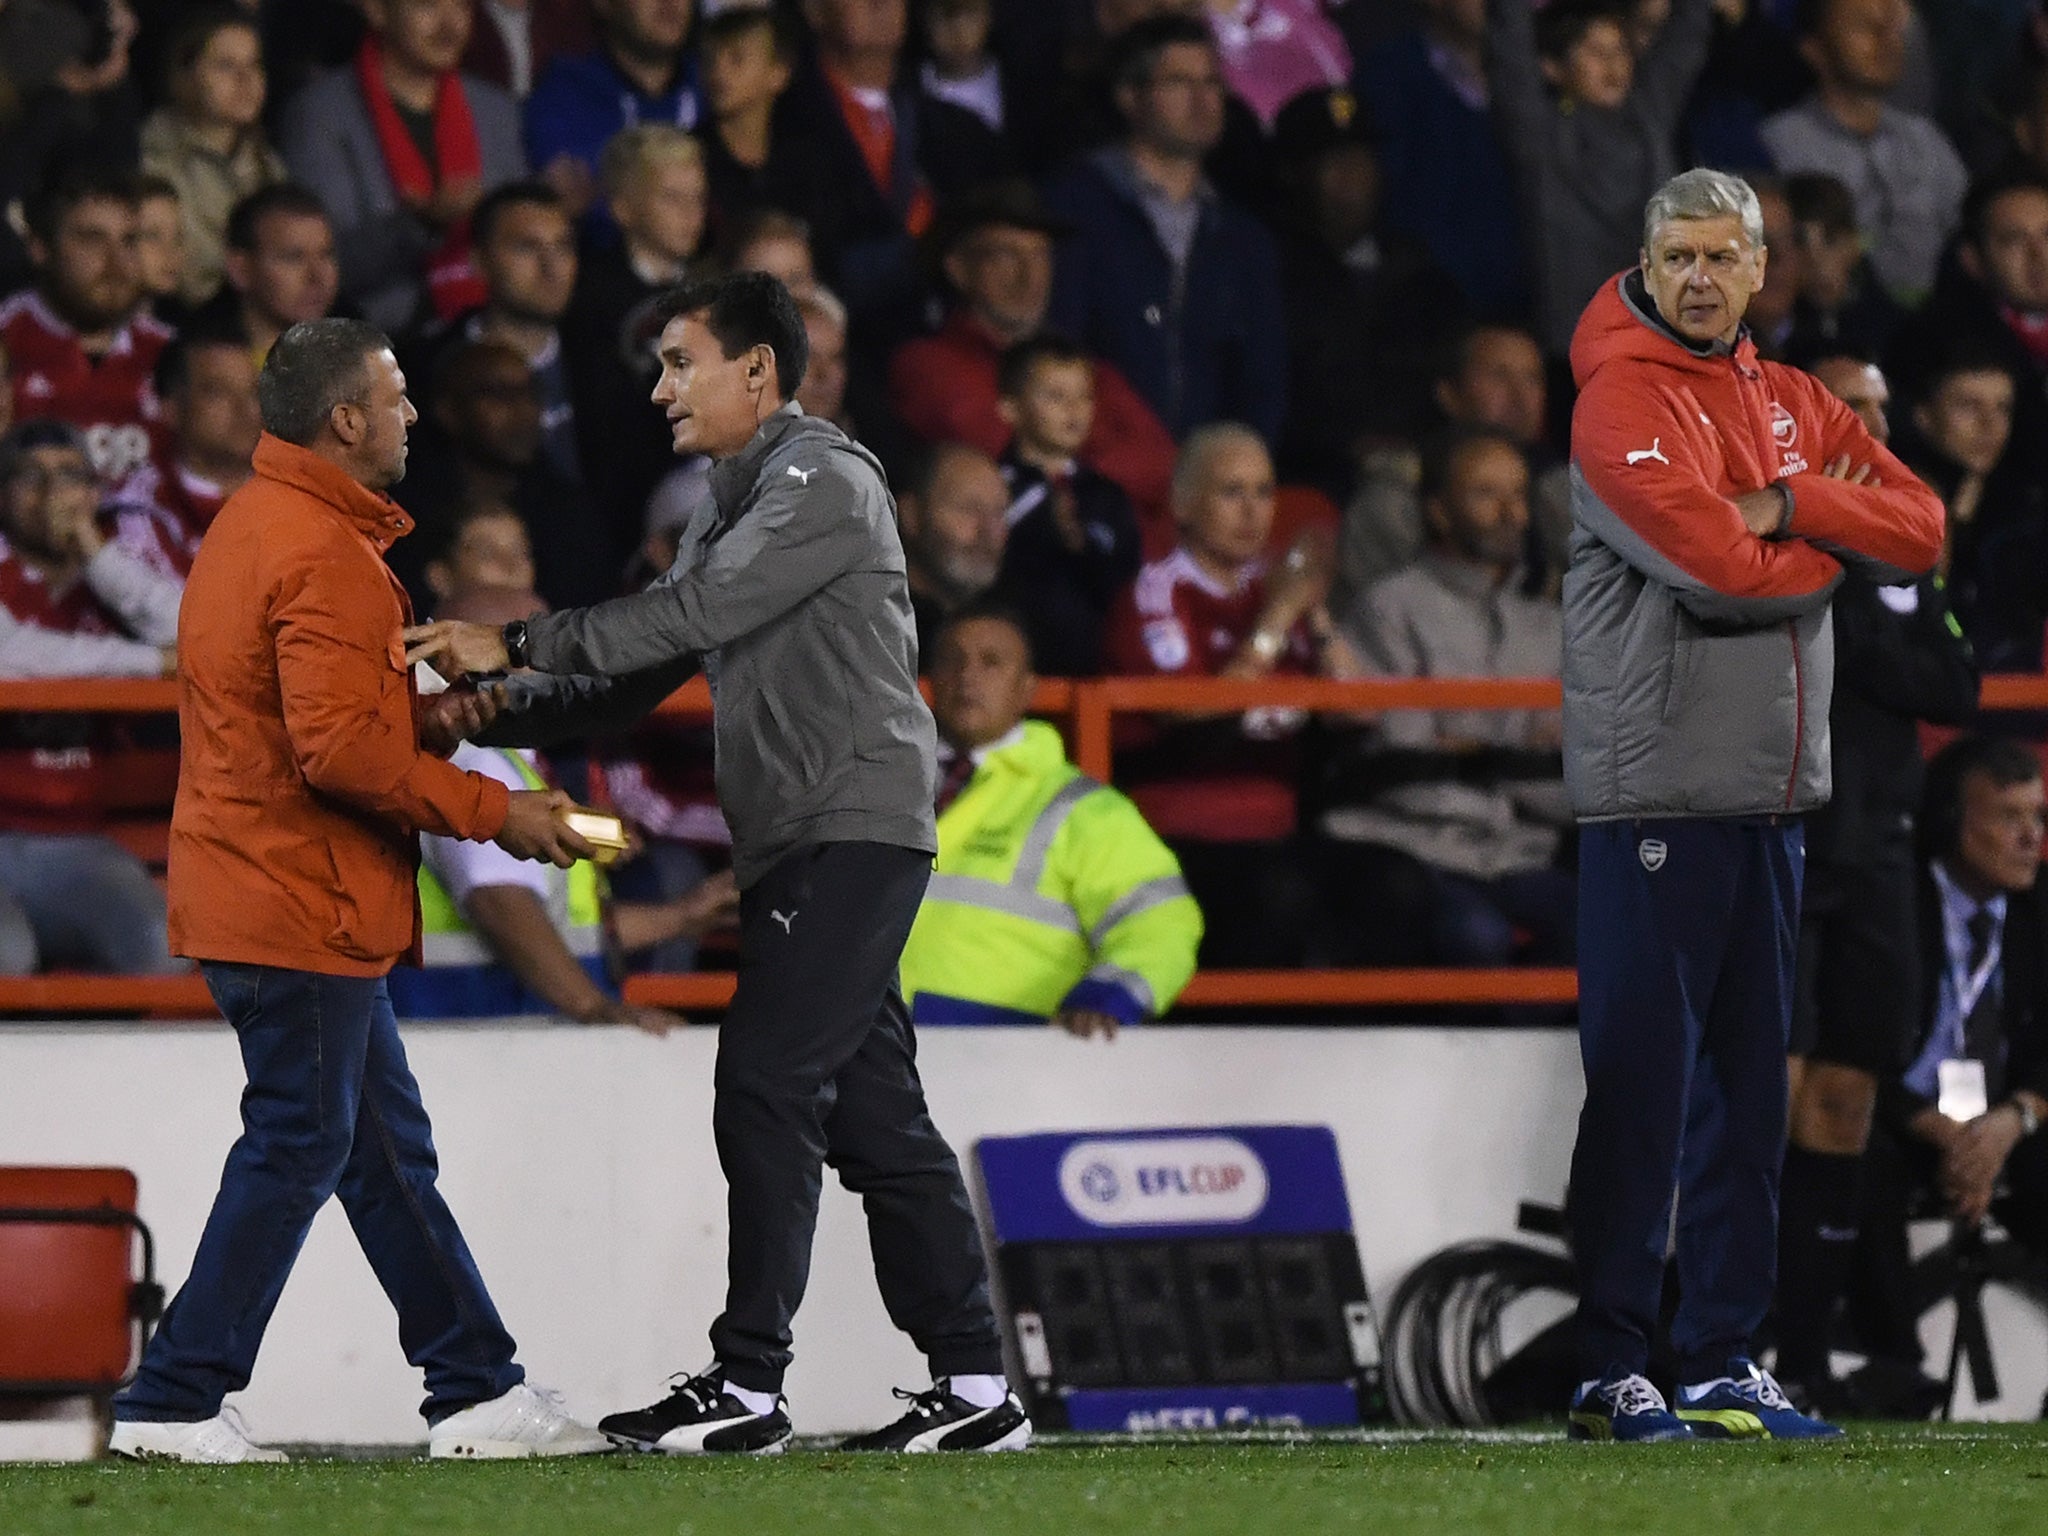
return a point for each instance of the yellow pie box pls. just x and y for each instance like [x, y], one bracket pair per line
[606, 834]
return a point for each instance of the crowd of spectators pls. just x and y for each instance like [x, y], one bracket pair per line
[1211, 337]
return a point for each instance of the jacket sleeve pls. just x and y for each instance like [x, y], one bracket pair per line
[797, 536]
[145, 600]
[1668, 69]
[1665, 518]
[542, 710]
[1141, 923]
[1918, 665]
[1890, 531]
[30, 650]
[1381, 626]
[1521, 104]
[348, 705]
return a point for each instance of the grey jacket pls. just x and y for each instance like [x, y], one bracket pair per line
[1582, 174]
[790, 590]
[331, 145]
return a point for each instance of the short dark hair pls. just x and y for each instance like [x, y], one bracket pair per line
[314, 366]
[174, 363]
[1013, 373]
[1817, 198]
[923, 470]
[197, 28]
[746, 309]
[25, 437]
[496, 203]
[448, 531]
[1134, 52]
[2002, 760]
[1958, 354]
[149, 187]
[737, 20]
[1446, 446]
[1456, 354]
[1983, 196]
[246, 218]
[762, 224]
[1563, 24]
[990, 607]
[73, 184]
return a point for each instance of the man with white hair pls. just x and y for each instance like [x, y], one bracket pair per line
[1715, 501]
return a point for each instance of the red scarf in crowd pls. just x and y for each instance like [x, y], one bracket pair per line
[452, 282]
[874, 135]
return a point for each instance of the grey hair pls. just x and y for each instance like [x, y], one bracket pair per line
[1705, 194]
[312, 368]
[1202, 445]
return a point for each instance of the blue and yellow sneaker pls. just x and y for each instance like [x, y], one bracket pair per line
[1624, 1408]
[1747, 1404]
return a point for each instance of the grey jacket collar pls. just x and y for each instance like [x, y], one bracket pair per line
[732, 478]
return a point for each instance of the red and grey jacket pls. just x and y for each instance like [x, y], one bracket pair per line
[1698, 657]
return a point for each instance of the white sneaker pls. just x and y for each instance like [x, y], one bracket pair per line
[218, 1441]
[523, 1422]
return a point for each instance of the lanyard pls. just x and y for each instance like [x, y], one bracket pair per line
[1968, 986]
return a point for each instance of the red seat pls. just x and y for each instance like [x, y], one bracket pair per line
[70, 1301]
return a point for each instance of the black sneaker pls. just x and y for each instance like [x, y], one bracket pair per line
[939, 1421]
[699, 1417]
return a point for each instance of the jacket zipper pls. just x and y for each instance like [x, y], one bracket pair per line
[1798, 712]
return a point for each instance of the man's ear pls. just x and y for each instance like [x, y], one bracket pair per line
[1434, 518]
[341, 422]
[1553, 73]
[236, 267]
[440, 579]
[1971, 260]
[1006, 408]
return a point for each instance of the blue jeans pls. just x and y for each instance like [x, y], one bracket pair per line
[79, 899]
[1687, 933]
[331, 1109]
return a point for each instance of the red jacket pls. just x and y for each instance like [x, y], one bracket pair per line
[943, 386]
[303, 787]
[1699, 658]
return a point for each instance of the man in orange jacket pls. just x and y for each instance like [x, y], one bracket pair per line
[309, 770]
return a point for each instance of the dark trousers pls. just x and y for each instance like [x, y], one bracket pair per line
[1687, 935]
[331, 1109]
[817, 1066]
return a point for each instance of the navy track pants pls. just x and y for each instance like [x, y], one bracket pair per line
[1688, 930]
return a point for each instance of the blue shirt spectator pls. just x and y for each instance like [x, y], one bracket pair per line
[1176, 286]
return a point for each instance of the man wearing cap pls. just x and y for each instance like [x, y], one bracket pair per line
[995, 250]
[1367, 307]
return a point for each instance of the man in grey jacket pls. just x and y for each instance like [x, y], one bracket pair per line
[789, 591]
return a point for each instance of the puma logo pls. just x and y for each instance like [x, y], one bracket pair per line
[786, 921]
[1654, 451]
[803, 475]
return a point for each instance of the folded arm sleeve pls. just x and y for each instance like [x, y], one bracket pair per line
[348, 709]
[1889, 531]
[798, 535]
[29, 650]
[1140, 920]
[1663, 517]
[145, 600]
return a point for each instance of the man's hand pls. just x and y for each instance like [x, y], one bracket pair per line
[1083, 1023]
[1300, 581]
[534, 829]
[170, 660]
[1844, 468]
[449, 719]
[449, 204]
[456, 649]
[1762, 511]
[1972, 1161]
[649, 1021]
[713, 902]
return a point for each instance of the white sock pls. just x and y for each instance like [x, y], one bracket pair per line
[753, 1402]
[979, 1391]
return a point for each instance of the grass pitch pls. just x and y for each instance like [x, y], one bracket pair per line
[1971, 1481]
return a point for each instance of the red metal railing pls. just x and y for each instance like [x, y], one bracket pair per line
[1088, 710]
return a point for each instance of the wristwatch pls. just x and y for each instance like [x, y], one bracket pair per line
[515, 644]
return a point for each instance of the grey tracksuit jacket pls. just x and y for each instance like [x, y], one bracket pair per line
[790, 592]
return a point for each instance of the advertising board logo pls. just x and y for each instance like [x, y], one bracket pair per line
[1163, 1181]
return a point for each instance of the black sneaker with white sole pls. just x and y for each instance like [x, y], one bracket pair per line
[939, 1421]
[699, 1417]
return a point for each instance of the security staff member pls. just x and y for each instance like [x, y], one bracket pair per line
[1052, 897]
[789, 588]
[1715, 500]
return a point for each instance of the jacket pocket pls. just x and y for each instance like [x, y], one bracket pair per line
[790, 752]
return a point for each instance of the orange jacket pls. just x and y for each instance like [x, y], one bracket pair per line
[303, 786]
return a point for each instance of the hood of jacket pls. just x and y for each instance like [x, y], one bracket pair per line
[1622, 323]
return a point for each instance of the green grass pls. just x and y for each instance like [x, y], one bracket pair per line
[1970, 1482]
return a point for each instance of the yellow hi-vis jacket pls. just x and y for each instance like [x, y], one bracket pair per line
[1050, 892]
